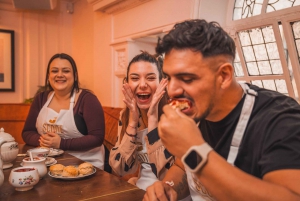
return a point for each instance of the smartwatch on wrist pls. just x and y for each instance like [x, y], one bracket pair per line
[196, 157]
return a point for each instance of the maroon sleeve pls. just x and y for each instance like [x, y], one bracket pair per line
[29, 133]
[89, 107]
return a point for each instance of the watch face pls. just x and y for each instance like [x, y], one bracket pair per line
[193, 159]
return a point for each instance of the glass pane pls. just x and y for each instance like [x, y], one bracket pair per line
[281, 86]
[257, 83]
[272, 51]
[246, 8]
[275, 85]
[264, 68]
[248, 54]
[274, 5]
[238, 70]
[296, 33]
[256, 36]
[268, 34]
[244, 38]
[260, 51]
[276, 67]
[298, 46]
[269, 84]
[293, 79]
[252, 68]
[296, 29]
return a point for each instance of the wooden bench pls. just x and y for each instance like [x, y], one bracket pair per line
[12, 119]
[111, 116]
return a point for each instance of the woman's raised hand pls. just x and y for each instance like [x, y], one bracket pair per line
[130, 102]
[153, 109]
[160, 91]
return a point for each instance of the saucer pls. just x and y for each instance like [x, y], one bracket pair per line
[49, 161]
[54, 162]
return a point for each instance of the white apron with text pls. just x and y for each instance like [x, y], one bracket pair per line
[64, 125]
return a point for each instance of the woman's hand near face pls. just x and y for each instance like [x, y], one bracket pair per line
[153, 109]
[51, 140]
[130, 102]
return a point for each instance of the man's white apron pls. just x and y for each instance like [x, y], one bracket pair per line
[197, 190]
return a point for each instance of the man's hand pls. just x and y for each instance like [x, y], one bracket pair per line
[178, 132]
[160, 191]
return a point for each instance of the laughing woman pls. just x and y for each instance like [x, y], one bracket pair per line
[65, 116]
[138, 143]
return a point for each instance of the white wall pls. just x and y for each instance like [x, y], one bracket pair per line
[90, 37]
[152, 17]
[38, 35]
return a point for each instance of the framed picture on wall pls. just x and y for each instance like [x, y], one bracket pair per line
[7, 60]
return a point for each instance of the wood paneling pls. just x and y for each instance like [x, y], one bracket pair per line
[12, 119]
[111, 116]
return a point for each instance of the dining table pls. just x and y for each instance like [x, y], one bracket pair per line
[99, 186]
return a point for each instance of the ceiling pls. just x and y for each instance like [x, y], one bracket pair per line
[10, 1]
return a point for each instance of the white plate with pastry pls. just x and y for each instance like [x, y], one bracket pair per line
[71, 172]
[55, 152]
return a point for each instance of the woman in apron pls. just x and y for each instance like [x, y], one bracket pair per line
[65, 116]
[138, 144]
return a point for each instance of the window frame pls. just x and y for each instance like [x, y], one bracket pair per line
[285, 16]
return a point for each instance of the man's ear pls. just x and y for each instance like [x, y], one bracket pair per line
[225, 75]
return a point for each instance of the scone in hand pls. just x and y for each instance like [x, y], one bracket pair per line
[182, 104]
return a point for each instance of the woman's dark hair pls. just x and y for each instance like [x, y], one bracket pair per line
[198, 35]
[145, 56]
[158, 62]
[75, 74]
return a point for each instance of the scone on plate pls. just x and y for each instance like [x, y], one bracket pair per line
[56, 169]
[70, 171]
[85, 168]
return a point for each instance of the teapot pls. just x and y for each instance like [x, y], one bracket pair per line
[2, 141]
[9, 149]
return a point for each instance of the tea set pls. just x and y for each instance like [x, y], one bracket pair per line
[33, 167]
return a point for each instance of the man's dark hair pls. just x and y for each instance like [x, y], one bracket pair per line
[208, 38]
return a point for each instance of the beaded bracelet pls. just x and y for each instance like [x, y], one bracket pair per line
[131, 135]
[132, 126]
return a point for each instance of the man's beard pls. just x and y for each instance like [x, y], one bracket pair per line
[205, 114]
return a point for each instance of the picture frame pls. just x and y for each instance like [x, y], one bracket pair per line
[7, 60]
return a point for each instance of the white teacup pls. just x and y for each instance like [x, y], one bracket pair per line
[24, 178]
[39, 152]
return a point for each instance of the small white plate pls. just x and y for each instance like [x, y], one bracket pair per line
[50, 161]
[55, 152]
[71, 178]
[54, 162]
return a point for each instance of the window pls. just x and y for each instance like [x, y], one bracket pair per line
[267, 36]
